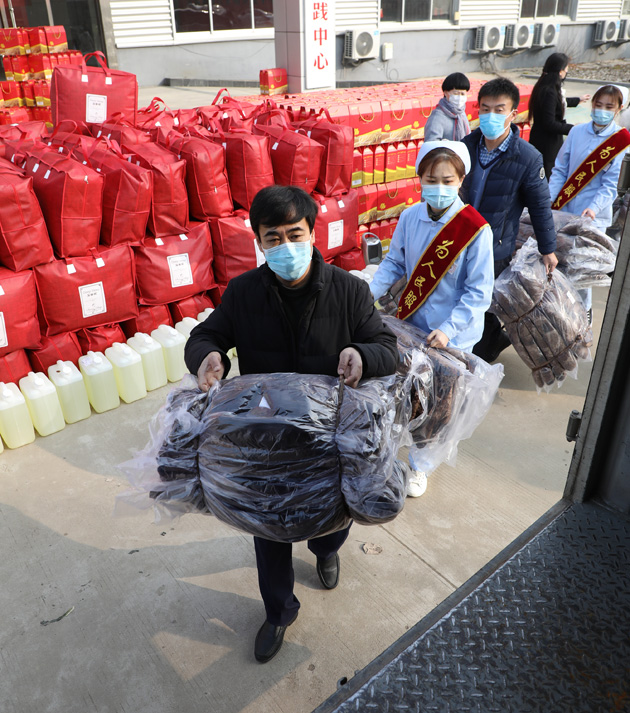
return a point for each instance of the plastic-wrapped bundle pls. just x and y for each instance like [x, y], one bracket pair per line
[452, 391]
[282, 456]
[585, 254]
[543, 316]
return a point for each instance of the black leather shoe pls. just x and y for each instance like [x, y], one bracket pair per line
[269, 640]
[328, 571]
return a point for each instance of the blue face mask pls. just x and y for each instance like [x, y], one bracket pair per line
[492, 125]
[602, 117]
[289, 260]
[439, 196]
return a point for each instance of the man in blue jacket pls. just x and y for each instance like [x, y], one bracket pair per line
[507, 175]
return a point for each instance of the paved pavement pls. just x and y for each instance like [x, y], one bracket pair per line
[161, 617]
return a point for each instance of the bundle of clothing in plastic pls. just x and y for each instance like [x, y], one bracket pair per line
[585, 254]
[290, 457]
[544, 317]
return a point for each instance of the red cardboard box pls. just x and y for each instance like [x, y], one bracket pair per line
[56, 38]
[10, 95]
[13, 41]
[368, 203]
[37, 40]
[273, 81]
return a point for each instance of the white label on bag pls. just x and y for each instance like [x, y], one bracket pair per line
[157, 123]
[159, 241]
[71, 269]
[47, 174]
[92, 299]
[98, 136]
[95, 108]
[1, 291]
[100, 262]
[275, 146]
[341, 203]
[60, 149]
[4, 342]
[335, 234]
[324, 209]
[176, 121]
[179, 266]
[248, 223]
[108, 80]
[84, 78]
[183, 237]
[35, 167]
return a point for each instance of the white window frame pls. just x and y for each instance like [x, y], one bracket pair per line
[212, 35]
[570, 16]
[393, 25]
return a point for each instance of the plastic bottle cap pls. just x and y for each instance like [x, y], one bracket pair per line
[66, 369]
[96, 358]
[6, 391]
[37, 380]
[125, 349]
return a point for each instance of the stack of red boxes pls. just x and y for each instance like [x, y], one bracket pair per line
[29, 56]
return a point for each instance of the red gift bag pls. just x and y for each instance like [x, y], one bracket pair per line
[169, 206]
[29, 130]
[234, 246]
[273, 81]
[232, 113]
[156, 115]
[56, 38]
[14, 366]
[24, 240]
[64, 347]
[92, 94]
[351, 260]
[190, 307]
[98, 339]
[174, 267]
[121, 131]
[19, 328]
[296, 159]
[149, 318]
[71, 197]
[37, 40]
[248, 162]
[13, 40]
[336, 223]
[336, 169]
[87, 291]
[206, 176]
[10, 94]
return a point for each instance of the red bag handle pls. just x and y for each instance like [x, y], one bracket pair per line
[224, 89]
[100, 58]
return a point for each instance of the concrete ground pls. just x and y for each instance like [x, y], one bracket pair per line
[161, 617]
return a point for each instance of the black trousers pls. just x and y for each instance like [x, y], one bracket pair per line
[275, 572]
[486, 347]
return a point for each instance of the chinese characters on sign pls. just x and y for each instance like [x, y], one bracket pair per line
[319, 43]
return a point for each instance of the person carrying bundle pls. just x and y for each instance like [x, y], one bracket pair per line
[444, 247]
[295, 313]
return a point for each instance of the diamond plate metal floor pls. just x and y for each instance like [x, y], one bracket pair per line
[548, 631]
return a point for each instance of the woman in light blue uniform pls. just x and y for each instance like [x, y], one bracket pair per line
[453, 314]
[596, 199]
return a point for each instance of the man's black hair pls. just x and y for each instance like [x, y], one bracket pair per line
[457, 80]
[500, 87]
[282, 205]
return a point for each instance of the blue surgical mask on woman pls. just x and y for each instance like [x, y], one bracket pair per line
[492, 125]
[289, 260]
[602, 117]
[439, 196]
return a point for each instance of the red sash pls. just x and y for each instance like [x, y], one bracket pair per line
[438, 258]
[611, 147]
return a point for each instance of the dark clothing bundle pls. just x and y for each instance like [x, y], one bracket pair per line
[543, 316]
[586, 255]
[549, 125]
[338, 313]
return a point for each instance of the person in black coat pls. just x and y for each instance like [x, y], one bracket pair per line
[295, 313]
[547, 105]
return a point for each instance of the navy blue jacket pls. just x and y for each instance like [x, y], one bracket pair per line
[500, 192]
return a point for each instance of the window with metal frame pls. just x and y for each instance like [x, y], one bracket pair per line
[545, 8]
[196, 16]
[416, 10]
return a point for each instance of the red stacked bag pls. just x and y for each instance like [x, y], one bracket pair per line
[14, 366]
[64, 347]
[174, 267]
[70, 195]
[235, 247]
[24, 240]
[190, 307]
[336, 224]
[19, 328]
[87, 291]
[98, 339]
[149, 317]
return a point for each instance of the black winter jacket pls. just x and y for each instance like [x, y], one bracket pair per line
[549, 126]
[500, 192]
[251, 317]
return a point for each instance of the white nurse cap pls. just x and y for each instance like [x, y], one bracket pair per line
[455, 146]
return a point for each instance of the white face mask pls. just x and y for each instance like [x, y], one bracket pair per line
[457, 100]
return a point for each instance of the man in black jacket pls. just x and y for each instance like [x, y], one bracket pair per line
[293, 314]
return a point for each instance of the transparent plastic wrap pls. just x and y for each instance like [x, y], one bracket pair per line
[585, 254]
[544, 317]
[286, 457]
[451, 392]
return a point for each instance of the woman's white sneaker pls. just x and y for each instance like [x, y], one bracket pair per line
[417, 484]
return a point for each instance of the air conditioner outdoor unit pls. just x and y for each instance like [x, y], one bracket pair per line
[362, 43]
[489, 38]
[546, 34]
[519, 36]
[624, 31]
[606, 31]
